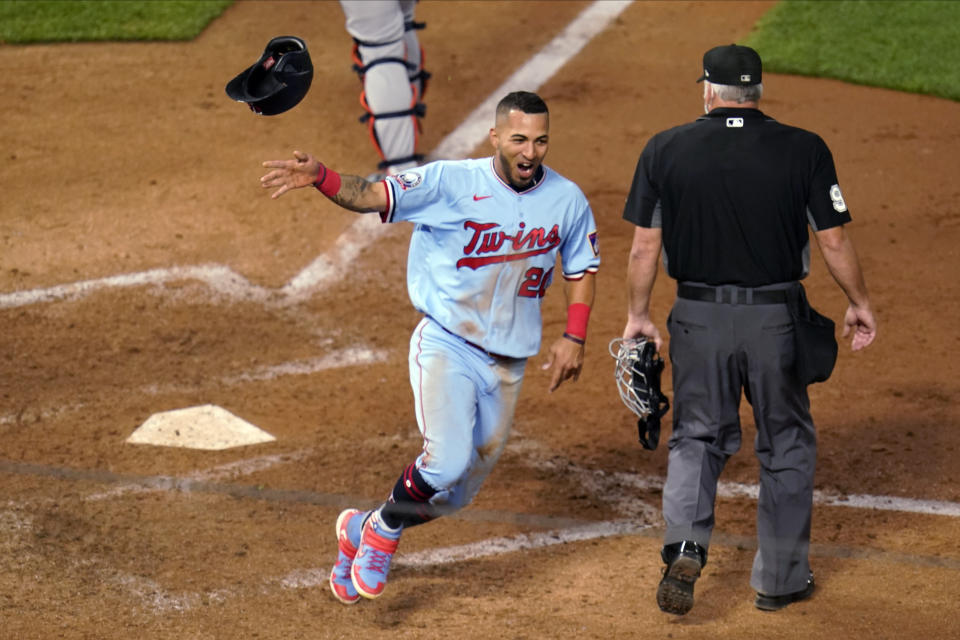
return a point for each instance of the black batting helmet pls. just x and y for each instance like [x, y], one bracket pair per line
[278, 81]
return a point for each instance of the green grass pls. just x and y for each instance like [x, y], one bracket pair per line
[906, 45]
[31, 21]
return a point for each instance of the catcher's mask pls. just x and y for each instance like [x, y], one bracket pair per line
[278, 81]
[637, 374]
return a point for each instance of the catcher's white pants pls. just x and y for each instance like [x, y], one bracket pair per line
[387, 87]
[464, 401]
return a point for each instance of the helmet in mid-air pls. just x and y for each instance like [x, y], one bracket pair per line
[278, 81]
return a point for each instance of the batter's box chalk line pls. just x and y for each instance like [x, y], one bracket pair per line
[220, 279]
[347, 357]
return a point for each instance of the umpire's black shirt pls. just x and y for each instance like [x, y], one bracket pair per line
[733, 192]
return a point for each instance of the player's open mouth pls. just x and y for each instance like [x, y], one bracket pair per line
[525, 169]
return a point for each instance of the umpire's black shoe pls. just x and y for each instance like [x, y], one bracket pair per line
[775, 603]
[684, 561]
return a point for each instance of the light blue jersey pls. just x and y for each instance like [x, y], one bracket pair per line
[482, 255]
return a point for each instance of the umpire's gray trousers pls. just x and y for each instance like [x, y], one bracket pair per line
[716, 350]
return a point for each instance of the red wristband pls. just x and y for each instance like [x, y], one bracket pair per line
[578, 315]
[327, 182]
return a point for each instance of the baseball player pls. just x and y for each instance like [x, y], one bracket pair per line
[487, 233]
[729, 197]
[389, 60]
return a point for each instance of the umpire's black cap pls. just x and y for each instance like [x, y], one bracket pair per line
[278, 81]
[732, 64]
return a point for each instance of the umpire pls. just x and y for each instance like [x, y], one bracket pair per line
[729, 197]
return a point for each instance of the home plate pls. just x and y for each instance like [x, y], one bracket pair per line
[204, 427]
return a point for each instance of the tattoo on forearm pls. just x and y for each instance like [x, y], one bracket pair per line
[353, 193]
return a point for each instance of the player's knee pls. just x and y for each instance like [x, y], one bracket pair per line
[445, 475]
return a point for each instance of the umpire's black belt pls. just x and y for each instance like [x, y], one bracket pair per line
[731, 294]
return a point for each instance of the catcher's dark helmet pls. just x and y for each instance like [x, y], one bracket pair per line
[278, 81]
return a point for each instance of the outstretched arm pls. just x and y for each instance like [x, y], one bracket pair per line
[842, 262]
[641, 274]
[350, 192]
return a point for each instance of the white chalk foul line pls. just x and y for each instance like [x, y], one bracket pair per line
[309, 578]
[349, 357]
[366, 228]
[519, 542]
[888, 503]
[531, 76]
[218, 277]
[609, 487]
[823, 498]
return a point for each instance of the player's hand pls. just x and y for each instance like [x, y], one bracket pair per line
[863, 324]
[642, 327]
[290, 174]
[566, 360]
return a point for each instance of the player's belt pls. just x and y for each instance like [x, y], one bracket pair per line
[729, 294]
[472, 344]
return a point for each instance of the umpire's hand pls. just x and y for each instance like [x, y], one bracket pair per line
[862, 323]
[641, 327]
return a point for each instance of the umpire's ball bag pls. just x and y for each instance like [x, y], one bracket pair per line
[816, 342]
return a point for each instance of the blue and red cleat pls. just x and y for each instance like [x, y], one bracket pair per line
[349, 527]
[371, 564]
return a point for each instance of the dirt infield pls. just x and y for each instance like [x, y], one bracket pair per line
[142, 269]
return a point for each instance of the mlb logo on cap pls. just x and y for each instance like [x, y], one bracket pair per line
[732, 64]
